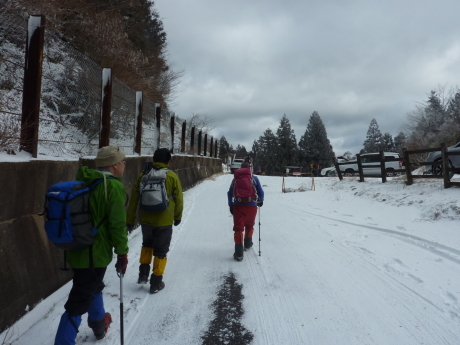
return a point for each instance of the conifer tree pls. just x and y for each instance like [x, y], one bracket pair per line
[374, 139]
[388, 144]
[224, 148]
[399, 142]
[241, 151]
[314, 146]
[287, 145]
[266, 152]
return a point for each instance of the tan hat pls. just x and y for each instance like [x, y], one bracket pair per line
[109, 155]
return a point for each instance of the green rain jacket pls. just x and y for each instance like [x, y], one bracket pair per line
[166, 217]
[112, 233]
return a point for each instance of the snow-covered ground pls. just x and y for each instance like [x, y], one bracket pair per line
[348, 263]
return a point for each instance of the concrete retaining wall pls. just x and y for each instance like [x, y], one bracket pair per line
[29, 263]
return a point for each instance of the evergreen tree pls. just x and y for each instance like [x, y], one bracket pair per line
[241, 151]
[388, 144]
[399, 142]
[255, 152]
[266, 152]
[287, 145]
[453, 108]
[314, 146]
[224, 148]
[374, 139]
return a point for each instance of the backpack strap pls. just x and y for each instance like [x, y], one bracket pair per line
[94, 185]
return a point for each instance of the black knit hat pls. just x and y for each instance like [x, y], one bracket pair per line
[162, 155]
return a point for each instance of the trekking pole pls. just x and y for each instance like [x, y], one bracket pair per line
[121, 308]
[259, 231]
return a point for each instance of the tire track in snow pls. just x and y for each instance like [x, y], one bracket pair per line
[434, 247]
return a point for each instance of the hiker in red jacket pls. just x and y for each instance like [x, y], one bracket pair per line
[244, 195]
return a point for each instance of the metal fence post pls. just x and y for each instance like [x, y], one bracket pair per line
[192, 141]
[106, 109]
[138, 123]
[156, 140]
[32, 85]
[205, 151]
[211, 146]
[171, 127]
[182, 141]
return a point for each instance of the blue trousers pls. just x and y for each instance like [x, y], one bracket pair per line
[84, 297]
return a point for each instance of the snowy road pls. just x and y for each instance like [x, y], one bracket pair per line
[348, 263]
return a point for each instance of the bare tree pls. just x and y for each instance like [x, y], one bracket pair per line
[201, 122]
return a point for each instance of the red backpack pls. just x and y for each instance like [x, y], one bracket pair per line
[244, 190]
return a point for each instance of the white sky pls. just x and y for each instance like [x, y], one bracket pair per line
[247, 63]
[350, 263]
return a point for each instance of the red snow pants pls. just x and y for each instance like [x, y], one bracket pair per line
[244, 218]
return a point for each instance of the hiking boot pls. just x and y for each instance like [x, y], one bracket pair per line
[156, 283]
[237, 258]
[100, 327]
[144, 270]
[247, 243]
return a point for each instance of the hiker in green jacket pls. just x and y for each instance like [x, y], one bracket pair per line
[156, 225]
[107, 205]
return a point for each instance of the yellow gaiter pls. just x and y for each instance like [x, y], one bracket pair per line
[146, 255]
[159, 265]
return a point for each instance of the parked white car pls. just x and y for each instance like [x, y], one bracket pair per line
[331, 171]
[236, 164]
[372, 159]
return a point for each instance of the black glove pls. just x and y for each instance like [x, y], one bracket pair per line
[176, 222]
[260, 203]
[130, 228]
[231, 209]
[122, 263]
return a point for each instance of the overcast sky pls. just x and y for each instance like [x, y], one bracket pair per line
[246, 63]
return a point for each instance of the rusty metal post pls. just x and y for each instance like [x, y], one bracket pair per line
[171, 128]
[199, 143]
[138, 123]
[205, 145]
[182, 140]
[156, 141]
[32, 85]
[106, 109]
[211, 146]
[192, 141]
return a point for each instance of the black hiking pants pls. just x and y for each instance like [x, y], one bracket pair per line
[158, 238]
[86, 282]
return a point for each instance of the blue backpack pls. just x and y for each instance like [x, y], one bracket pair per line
[68, 222]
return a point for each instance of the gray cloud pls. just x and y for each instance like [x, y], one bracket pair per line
[248, 63]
